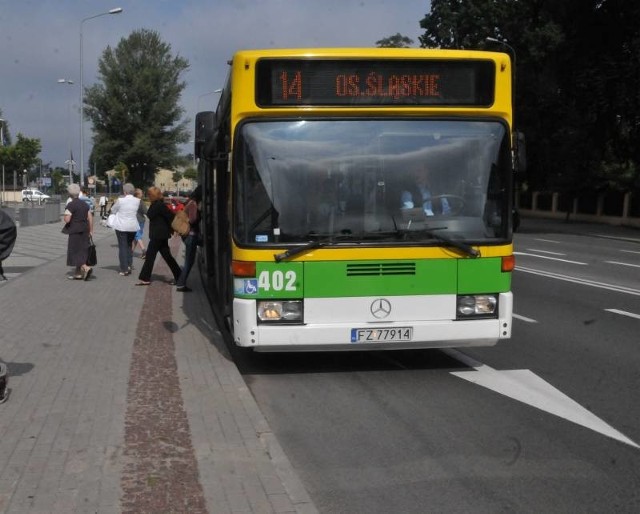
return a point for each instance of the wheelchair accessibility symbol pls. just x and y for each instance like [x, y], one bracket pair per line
[251, 286]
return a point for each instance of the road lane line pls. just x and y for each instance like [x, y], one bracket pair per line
[550, 258]
[623, 264]
[624, 313]
[617, 238]
[630, 251]
[547, 240]
[523, 318]
[544, 251]
[582, 281]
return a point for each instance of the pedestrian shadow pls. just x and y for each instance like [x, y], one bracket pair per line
[171, 326]
[17, 369]
[200, 313]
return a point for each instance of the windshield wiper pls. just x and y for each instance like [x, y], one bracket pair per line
[298, 249]
[433, 232]
[463, 247]
[311, 245]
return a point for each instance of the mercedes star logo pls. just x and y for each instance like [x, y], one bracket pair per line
[380, 308]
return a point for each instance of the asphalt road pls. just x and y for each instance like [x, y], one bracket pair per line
[546, 422]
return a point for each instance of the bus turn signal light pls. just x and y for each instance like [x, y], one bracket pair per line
[508, 263]
[243, 268]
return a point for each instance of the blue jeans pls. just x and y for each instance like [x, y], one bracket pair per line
[190, 248]
[125, 249]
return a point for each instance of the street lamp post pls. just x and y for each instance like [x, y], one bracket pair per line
[203, 95]
[70, 162]
[116, 10]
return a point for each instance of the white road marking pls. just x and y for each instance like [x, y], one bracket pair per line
[618, 238]
[630, 251]
[522, 318]
[525, 386]
[544, 251]
[623, 264]
[582, 281]
[547, 240]
[624, 313]
[549, 258]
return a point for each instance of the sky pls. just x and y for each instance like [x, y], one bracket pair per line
[40, 44]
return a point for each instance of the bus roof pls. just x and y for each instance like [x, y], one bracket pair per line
[375, 52]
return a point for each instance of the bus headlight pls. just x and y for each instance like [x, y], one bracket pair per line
[274, 311]
[480, 305]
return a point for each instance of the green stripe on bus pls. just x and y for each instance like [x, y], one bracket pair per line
[377, 278]
[482, 276]
[335, 279]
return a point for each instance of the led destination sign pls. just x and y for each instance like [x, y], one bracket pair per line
[295, 82]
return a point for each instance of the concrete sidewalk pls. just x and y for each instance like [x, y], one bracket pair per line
[125, 398]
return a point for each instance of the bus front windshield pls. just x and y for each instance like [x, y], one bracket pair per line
[371, 181]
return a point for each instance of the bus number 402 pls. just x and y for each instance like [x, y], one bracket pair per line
[277, 280]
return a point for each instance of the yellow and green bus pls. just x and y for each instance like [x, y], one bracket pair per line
[360, 198]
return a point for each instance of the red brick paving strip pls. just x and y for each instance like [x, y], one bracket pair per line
[160, 472]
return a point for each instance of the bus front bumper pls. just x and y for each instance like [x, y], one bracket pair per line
[336, 335]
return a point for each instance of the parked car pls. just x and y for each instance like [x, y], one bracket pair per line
[175, 204]
[34, 195]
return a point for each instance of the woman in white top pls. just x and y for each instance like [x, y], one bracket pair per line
[126, 225]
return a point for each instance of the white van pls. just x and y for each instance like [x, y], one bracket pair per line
[34, 195]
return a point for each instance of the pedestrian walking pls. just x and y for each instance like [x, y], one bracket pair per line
[79, 226]
[191, 241]
[125, 223]
[160, 218]
[142, 211]
[102, 202]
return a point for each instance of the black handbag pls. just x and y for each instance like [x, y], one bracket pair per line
[92, 258]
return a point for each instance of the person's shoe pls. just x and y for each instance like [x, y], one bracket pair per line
[86, 273]
[144, 254]
[124, 273]
[183, 289]
[75, 277]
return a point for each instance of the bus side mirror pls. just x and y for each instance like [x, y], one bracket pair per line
[205, 122]
[520, 153]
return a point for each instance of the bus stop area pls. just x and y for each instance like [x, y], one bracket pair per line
[124, 398]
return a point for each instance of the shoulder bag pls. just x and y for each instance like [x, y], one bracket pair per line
[180, 223]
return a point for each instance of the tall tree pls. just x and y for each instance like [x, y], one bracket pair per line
[58, 179]
[578, 81]
[395, 41]
[22, 155]
[134, 107]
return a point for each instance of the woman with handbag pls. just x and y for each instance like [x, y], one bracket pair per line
[160, 218]
[79, 226]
